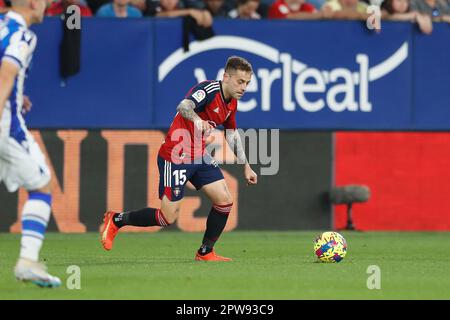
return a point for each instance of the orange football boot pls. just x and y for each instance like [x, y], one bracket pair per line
[212, 256]
[109, 230]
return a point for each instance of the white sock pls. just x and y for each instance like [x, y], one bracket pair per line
[35, 216]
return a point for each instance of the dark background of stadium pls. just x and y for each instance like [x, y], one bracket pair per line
[294, 199]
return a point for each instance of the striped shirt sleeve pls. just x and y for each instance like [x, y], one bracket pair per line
[203, 93]
[18, 49]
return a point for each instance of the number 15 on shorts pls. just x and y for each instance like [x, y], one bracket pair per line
[180, 177]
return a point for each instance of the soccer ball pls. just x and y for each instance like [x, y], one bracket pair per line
[330, 247]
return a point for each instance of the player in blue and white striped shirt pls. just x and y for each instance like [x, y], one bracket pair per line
[22, 164]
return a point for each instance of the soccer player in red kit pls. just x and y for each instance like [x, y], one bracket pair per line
[182, 157]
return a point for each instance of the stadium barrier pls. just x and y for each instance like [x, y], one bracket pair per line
[408, 175]
[116, 170]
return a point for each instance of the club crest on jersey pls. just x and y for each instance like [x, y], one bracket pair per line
[199, 95]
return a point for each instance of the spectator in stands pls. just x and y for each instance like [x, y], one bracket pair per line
[119, 9]
[246, 9]
[439, 10]
[317, 3]
[59, 7]
[293, 9]
[217, 8]
[173, 9]
[3, 8]
[4, 4]
[264, 6]
[345, 9]
[94, 5]
[400, 10]
[139, 4]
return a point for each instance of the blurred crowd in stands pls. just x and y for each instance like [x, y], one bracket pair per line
[422, 12]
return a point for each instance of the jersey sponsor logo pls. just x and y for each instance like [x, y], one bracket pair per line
[299, 81]
[199, 95]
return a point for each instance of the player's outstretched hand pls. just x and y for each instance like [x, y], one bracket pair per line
[250, 175]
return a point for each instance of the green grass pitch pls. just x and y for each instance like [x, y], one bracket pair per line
[267, 265]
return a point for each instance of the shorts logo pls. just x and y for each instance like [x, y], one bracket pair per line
[176, 191]
[199, 95]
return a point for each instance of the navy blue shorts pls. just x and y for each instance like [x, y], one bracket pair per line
[173, 177]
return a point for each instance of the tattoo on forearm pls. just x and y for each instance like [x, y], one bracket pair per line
[186, 109]
[235, 143]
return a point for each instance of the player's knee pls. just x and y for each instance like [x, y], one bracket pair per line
[171, 215]
[45, 189]
[224, 199]
[171, 219]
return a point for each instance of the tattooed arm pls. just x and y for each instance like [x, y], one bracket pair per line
[234, 141]
[186, 109]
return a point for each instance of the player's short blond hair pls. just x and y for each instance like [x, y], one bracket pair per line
[235, 63]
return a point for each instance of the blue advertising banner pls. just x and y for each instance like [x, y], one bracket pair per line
[431, 91]
[308, 75]
[114, 86]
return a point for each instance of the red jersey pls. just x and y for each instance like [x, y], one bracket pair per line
[57, 8]
[182, 142]
[280, 10]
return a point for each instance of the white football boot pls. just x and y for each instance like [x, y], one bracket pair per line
[35, 272]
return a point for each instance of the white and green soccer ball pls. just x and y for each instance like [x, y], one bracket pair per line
[330, 247]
